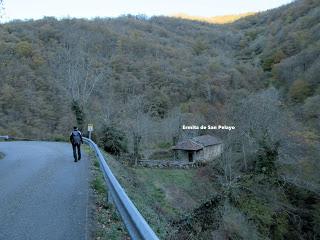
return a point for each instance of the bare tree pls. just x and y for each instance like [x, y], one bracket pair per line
[77, 72]
[83, 73]
[137, 124]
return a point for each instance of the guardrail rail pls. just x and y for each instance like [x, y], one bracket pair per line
[136, 225]
[6, 137]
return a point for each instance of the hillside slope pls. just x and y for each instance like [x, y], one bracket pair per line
[96, 65]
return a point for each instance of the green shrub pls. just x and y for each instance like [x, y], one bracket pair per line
[78, 112]
[60, 138]
[99, 185]
[311, 107]
[165, 145]
[113, 140]
[163, 154]
[96, 164]
[24, 48]
[259, 212]
[299, 91]
[316, 219]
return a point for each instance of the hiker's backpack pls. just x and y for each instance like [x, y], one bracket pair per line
[76, 137]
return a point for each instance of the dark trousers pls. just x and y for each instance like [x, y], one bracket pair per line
[76, 147]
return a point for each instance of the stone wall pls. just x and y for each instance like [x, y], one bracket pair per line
[212, 152]
[206, 154]
[170, 164]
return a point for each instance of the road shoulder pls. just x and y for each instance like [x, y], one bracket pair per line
[104, 221]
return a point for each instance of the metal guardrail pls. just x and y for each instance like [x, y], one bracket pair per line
[136, 225]
[15, 138]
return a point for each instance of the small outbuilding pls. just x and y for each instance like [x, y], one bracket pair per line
[201, 148]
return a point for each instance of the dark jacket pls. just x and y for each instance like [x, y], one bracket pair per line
[76, 137]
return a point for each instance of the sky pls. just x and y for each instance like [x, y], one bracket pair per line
[35, 9]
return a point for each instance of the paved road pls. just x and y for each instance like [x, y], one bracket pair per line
[43, 193]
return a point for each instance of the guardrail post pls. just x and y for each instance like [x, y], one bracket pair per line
[109, 197]
[89, 134]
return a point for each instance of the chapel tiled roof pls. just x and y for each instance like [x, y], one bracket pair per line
[197, 143]
[207, 140]
[187, 145]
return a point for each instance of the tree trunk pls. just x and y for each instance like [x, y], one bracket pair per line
[244, 157]
[136, 142]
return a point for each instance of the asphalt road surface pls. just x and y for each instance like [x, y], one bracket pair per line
[43, 193]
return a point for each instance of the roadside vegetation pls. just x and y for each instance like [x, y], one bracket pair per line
[107, 223]
[163, 196]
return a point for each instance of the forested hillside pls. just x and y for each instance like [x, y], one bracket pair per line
[139, 79]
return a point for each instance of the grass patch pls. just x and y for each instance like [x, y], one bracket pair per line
[98, 185]
[2, 155]
[164, 145]
[163, 195]
[161, 154]
[60, 138]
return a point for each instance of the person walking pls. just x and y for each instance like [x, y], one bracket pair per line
[76, 140]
